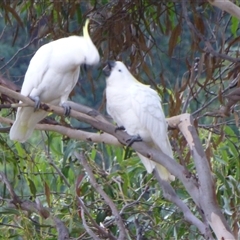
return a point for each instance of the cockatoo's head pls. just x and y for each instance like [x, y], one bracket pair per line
[117, 70]
[92, 57]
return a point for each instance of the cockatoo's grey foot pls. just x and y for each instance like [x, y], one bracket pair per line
[120, 128]
[132, 139]
[37, 102]
[67, 109]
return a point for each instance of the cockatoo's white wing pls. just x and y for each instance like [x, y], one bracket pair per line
[147, 106]
[26, 118]
[38, 66]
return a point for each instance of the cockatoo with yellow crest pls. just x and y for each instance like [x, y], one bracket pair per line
[51, 75]
[137, 108]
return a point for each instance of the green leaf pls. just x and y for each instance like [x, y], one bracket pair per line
[32, 187]
[234, 25]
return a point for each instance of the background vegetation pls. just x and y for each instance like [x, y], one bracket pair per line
[188, 51]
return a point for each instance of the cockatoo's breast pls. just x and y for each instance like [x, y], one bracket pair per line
[120, 107]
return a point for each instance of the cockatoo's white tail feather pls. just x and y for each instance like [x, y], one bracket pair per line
[162, 171]
[85, 29]
[25, 123]
[19, 131]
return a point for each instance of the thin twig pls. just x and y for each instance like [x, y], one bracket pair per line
[110, 222]
[99, 228]
[36, 207]
[203, 38]
[63, 233]
[4, 179]
[18, 51]
[51, 162]
[87, 228]
[207, 104]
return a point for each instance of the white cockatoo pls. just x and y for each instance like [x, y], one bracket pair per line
[51, 75]
[137, 108]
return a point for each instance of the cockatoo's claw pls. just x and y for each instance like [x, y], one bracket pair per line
[36, 101]
[67, 109]
[120, 128]
[132, 139]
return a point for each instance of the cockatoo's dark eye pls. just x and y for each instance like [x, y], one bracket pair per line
[119, 70]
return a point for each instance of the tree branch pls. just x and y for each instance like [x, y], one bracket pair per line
[87, 228]
[98, 188]
[170, 194]
[207, 43]
[100, 137]
[100, 229]
[207, 197]
[51, 162]
[63, 233]
[228, 6]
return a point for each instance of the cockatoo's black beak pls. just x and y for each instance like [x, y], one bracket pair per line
[108, 68]
[85, 67]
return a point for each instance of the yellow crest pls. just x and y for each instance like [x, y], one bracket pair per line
[85, 29]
